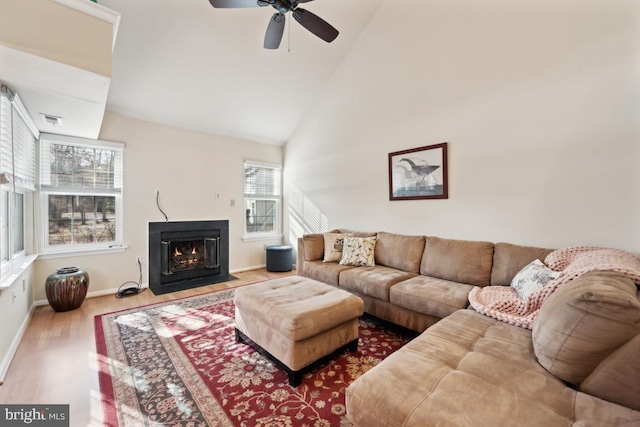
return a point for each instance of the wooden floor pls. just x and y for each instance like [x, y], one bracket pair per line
[56, 360]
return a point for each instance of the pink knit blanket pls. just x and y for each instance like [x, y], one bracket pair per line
[503, 302]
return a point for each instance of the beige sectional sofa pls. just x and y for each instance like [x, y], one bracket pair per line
[417, 280]
[579, 366]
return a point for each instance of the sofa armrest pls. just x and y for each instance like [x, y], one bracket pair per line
[310, 248]
[300, 258]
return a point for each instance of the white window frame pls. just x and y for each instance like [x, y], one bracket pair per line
[46, 190]
[276, 197]
[7, 205]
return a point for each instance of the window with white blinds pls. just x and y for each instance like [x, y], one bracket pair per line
[18, 135]
[70, 164]
[81, 184]
[262, 198]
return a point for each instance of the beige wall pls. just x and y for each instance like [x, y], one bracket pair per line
[540, 104]
[189, 168]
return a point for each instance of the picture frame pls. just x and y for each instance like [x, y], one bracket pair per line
[419, 173]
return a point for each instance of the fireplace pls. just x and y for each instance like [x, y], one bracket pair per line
[187, 254]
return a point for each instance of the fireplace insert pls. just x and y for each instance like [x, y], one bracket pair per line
[187, 254]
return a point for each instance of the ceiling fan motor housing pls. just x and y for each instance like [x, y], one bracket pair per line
[284, 6]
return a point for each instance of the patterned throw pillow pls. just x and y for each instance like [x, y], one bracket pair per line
[359, 251]
[333, 246]
[532, 278]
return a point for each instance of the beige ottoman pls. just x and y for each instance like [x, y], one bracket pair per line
[296, 321]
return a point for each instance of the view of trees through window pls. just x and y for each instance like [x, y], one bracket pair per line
[81, 219]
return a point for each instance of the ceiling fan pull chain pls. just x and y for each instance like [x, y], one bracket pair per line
[289, 41]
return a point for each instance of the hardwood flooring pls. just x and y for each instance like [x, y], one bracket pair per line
[56, 360]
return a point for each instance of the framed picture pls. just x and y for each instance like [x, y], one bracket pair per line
[419, 173]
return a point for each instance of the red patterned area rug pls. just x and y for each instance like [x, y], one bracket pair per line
[177, 364]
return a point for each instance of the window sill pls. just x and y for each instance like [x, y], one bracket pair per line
[10, 277]
[82, 252]
[250, 238]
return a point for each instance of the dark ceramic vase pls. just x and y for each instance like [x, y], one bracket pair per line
[67, 288]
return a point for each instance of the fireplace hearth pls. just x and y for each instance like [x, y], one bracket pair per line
[188, 254]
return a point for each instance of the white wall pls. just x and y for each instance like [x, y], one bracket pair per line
[189, 168]
[539, 101]
[15, 310]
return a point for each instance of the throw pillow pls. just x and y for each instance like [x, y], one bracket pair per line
[333, 246]
[359, 251]
[533, 277]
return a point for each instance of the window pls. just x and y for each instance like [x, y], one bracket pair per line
[81, 193]
[261, 199]
[18, 136]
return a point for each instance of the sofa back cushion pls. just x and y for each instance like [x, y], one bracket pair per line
[461, 261]
[582, 325]
[313, 245]
[509, 259]
[399, 251]
[355, 233]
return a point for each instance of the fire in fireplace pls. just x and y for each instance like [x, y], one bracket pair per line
[187, 254]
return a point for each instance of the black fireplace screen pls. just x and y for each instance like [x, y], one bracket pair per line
[181, 255]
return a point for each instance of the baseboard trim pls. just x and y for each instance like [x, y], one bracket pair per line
[101, 293]
[255, 267]
[13, 348]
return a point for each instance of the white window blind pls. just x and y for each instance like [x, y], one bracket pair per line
[261, 180]
[71, 166]
[18, 136]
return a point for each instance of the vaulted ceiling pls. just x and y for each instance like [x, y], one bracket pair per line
[187, 64]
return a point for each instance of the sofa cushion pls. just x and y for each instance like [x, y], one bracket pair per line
[333, 243]
[313, 246]
[617, 378]
[470, 370]
[373, 281]
[533, 277]
[461, 261]
[583, 322]
[509, 259]
[324, 272]
[399, 251]
[430, 295]
[358, 251]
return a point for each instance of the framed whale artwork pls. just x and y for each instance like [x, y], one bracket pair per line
[419, 173]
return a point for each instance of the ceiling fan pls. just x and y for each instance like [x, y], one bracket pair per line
[273, 36]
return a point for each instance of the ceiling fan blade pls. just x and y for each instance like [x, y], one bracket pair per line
[316, 25]
[273, 36]
[303, 1]
[232, 4]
